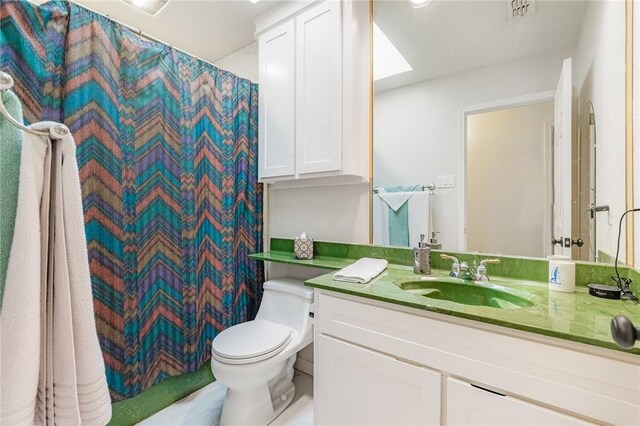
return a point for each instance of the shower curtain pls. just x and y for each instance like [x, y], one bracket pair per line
[167, 151]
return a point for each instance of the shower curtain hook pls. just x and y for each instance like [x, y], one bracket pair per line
[6, 81]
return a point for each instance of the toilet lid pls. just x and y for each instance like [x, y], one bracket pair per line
[251, 339]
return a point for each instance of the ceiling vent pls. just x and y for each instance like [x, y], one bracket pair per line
[519, 8]
[149, 6]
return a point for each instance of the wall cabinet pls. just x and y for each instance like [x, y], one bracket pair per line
[319, 89]
[314, 93]
[276, 152]
[378, 363]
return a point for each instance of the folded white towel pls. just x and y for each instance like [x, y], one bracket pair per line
[363, 271]
[395, 200]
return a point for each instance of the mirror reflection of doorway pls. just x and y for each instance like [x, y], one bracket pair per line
[508, 180]
[584, 188]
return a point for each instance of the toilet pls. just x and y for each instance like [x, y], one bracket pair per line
[254, 360]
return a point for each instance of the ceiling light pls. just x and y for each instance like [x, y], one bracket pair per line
[387, 60]
[150, 6]
[419, 3]
[254, 1]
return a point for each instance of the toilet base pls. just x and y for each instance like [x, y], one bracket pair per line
[252, 407]
[259, 405]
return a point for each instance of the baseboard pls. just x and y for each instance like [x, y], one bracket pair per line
[304, 366]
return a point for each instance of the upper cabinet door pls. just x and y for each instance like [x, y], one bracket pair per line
[276, 148]
[319, 89]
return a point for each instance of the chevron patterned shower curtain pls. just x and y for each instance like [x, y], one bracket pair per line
[167, 150]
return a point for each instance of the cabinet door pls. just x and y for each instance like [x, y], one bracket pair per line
[469, 405]
[276, 147]
[358, 386]
[319, 89]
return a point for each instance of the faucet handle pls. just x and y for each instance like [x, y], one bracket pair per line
[448, 257]
[481, 270]
[455, 265]
[489, 262]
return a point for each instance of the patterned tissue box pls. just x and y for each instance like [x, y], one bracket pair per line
[303, 248]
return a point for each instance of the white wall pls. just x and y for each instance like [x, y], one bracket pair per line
[330, 213]
[243, 62]
[507, 195]
[417, 129]
[600, 77]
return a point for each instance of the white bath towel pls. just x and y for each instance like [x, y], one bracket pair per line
[420, 218]
[362, 271]
[380, 221]
[51, 365]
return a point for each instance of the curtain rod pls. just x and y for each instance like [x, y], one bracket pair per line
[143, 34]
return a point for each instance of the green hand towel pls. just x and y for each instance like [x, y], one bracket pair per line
[399, 226]
[10, 149]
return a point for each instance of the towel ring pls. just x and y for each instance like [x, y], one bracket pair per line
[56, 132]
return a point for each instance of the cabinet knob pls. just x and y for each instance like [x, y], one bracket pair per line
[624, 332]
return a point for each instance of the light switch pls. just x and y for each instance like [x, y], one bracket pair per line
[446, 181]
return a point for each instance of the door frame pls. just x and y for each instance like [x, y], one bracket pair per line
[463, 113]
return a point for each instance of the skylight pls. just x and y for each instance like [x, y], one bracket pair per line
[149, 6]
[387, 60]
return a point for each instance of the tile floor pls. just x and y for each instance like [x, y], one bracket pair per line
[203, 407]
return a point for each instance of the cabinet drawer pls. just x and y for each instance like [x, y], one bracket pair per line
[595, 387]
[469, 405]
[363, 387]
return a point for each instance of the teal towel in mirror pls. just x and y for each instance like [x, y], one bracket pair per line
[399, 226]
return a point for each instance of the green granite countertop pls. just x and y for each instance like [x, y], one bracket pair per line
[575, 316]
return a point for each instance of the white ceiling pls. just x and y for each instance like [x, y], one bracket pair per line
[209, 29]
[452, 36]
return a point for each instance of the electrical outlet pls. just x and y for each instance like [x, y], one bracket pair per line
[446, 181]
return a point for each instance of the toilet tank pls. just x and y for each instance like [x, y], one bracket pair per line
[286, 301]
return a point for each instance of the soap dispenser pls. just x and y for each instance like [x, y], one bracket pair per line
[422, 257]
[433, 242]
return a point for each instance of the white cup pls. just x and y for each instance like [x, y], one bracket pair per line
[562, 276]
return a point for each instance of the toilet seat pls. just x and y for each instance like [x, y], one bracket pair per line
[250, 342]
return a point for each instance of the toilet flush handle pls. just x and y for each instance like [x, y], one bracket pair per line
[312, 313]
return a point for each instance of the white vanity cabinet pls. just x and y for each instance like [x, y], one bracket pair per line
[468, 405]
[359, 385]
[378, 363]
[314, 101]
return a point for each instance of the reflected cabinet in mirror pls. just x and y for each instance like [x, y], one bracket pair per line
[500, 130]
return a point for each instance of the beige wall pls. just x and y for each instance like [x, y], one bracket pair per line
[243, 62]
[507, 184]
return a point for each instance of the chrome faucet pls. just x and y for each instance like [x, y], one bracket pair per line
[481, 269]
[463, 271]
[455, 265]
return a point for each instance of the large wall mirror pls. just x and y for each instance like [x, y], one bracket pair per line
[499, 126]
